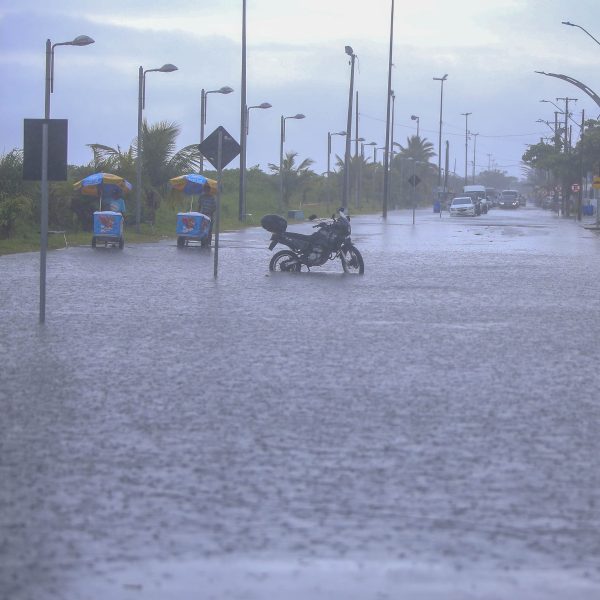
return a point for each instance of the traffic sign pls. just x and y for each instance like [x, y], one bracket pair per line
[210, 148]
[414, 180]
[596, 183]
[575, 187]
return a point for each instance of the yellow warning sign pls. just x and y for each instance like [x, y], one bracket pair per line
[596, 183]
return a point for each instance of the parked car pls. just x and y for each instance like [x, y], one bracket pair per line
[462, 206]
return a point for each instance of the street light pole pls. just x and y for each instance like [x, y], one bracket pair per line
[417, 119]
[362, 155]
[329, 135]
[243, 124]
[245, 130]
[441, 80]
[81, 40]
[466, 116]
[166, 68]
[357, 164]
[391, 161]
[282, 139]
[203, 103]
[346, 188]
[387, 119]
[582, 29]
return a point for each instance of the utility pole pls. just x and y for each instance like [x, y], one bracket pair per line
[474, 154]
[466, 116]
[567, 149]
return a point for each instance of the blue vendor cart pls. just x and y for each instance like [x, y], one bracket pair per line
[192, 227]
[108, 229]
[108, 219]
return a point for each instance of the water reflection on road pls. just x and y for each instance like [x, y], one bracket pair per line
[428, 427]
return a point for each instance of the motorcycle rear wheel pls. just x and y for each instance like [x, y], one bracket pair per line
[352, 261]
[285, 261]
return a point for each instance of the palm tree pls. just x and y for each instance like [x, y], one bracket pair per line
[160, 161]
[295, 176]
[417, 148]
[360, 168]
[413, 159]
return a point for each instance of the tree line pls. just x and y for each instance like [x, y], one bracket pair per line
[302, 187]
[553, 165]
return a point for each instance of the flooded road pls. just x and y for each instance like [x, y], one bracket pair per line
[431, 428]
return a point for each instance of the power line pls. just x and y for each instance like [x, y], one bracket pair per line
[458, 134]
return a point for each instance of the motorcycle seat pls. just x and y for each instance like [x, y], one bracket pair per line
[298, 236]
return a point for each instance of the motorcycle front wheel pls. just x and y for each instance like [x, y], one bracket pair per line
[352, 260]
[285, 261]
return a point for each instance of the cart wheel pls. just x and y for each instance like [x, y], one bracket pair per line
[180, 242]
[121, 243]
[94, 242]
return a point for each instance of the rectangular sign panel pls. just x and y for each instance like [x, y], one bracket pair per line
[57, 149]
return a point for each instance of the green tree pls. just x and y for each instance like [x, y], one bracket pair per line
[417, 148]
[413, 159]
[494, 178]
[560, 167]
[15, 194]
[295, 176]
[160, 162]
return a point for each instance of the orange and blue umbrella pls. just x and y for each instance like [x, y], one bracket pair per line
[100, 184]
[193, 184]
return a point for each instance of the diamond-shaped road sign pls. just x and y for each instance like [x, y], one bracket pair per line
[210, 148]
[414, 180]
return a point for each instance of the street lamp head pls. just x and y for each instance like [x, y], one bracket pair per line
[82, 40]
[371, 144]
[414, 117]
[298, 116]
[264, 105]
[168, 68]
[225, 90]
[568, 23]
[348, 50]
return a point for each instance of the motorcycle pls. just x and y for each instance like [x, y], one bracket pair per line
[331, 241]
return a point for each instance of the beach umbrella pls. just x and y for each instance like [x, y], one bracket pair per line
[102, 184]
[193, 184]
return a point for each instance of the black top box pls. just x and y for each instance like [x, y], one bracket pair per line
[274, 223]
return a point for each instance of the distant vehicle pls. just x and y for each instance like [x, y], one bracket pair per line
[492, 196]
[548, 203]
[478, 195]
[509, 199]
[462, 206]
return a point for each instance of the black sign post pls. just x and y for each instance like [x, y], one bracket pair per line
[44, 159]
[219, 148]
[414, 182]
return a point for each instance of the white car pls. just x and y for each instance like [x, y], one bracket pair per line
[462, 206]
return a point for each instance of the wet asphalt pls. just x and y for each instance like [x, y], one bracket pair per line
[440, 412]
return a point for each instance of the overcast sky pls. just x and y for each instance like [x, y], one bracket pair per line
[296, 61]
